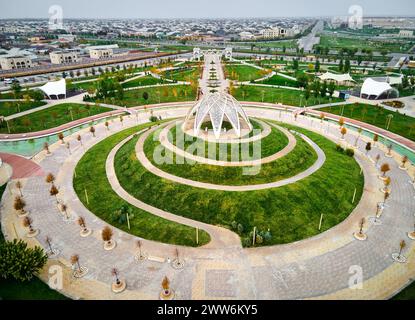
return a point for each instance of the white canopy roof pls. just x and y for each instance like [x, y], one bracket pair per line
[336, 77]
[374, 88]
[218, 106]
[54, 88]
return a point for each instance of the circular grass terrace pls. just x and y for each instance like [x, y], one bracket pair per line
[270, 144]
[106, 204]
[281, 215]
[301, 158]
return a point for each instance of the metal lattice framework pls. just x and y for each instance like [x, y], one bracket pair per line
[218, 107]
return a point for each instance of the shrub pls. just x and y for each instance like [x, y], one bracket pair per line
[246, 242]
[20, 262]
[240, 228]
[350, 152]
[339, 148]
[234, 225]
[259, 239]
[153, 119]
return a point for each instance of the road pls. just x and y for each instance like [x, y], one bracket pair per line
[307, 42]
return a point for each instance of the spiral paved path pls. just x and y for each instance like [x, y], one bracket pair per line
[313, 268]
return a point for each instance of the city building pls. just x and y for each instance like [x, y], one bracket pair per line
[100, 53]
[406, 34]
[60, 57]
[15, 62]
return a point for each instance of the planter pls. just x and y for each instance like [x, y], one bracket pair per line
[110, 245]
[178, 264]
[119, 287]
[79, 273]
[375, 221]
[23, 214]
[383, 178]
[32, 234]
[360, 236]
[140, 257]
[53, 254]
[411, 235]
[167, 295]
[385, 190]
[399, 258]
[403, 168]
[387, 155]
[85, 233]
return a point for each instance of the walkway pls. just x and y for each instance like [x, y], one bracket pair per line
[22, 168]
[313, 268]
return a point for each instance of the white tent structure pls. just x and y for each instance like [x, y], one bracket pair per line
[217, 108]
[55, 89]
[374, 90]
[336, 77]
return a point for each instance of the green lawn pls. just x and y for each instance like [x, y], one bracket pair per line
[281, 81]
[156, 95]
[183, 74]
[104, 202]
[143, 81]
[51, 117]
[271, 144]
[301, 158]
[278, 95]
[291, 213]
[377, 116]
[336, 42]
[31, 290]
[13, 107]
[243, 72]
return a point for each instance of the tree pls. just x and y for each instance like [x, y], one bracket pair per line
[295, 64]
[19, 187]
[331, 88]
[19, 204]
[404, 161]
[54, 192]
[343, 131]
[16, 89]
[368, 147]
[384, 169]
[79, 138]
[50, 178]
[317, 66]
[341, 65]
[346, 66]
[145, 96]
[341, 122]
[61, 137]
[402, 246]
[19, 262]
[107, 234]
[92, 130]
[75, 261]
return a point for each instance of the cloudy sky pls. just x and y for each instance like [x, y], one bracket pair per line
[201, 8]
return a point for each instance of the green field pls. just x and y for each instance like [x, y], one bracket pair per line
[104, 202]
[7, 108]
[336, 42]
[291, 213]
[243, 72]
[271, 144]
[156, 95]
[278, 95]
[281, 81]
[298, 160]
[51, 117]
[182, 75]
[377, 116]
[143, 81]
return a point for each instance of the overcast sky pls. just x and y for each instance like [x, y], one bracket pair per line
[201, 8]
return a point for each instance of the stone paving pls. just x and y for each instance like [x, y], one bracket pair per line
[310, 269]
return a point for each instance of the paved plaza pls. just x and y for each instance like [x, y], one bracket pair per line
[314, 268]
